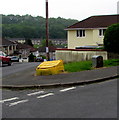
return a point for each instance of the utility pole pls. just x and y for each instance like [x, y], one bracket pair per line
[47, 32]
[117, 11]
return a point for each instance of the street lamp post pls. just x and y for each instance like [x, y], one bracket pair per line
[47, 32]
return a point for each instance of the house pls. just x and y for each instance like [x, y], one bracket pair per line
[25, 50]
[7, 46]
[19, 40]
[42, 51]
[90, 31]
[38, 41]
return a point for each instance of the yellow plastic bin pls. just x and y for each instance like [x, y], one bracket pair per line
[50, 67]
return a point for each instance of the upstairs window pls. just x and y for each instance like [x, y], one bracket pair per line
[102, 32]
[80, 33]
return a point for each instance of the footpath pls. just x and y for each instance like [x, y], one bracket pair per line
[27, 79]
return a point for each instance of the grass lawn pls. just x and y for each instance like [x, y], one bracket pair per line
[87, 65]
[36, 46]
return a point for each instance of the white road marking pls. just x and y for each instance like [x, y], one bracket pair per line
[46, 95]
[67, 89]
[35, 93]
[15, 103]
[10, 99]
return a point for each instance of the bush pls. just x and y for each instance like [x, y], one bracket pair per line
[111, 39]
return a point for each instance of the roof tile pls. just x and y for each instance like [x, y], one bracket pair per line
[96, 22]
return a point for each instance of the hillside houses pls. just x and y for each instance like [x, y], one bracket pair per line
[15, 48]
[7, 46]
[38, 41]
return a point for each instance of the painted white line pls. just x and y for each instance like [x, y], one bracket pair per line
[15, 103]
[10, 99]
[35, 93]
[46, 95]
[67, 89]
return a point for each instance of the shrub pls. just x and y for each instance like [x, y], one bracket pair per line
[111, 39]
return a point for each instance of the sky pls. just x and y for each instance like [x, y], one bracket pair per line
[74, 9]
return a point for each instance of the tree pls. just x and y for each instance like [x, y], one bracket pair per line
[27, 26]
[43, 43]
[28, 42]
[111, 39]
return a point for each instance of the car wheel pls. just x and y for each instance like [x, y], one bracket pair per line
[9, 64]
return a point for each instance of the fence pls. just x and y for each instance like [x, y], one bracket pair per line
[73, 55]
[113, 55]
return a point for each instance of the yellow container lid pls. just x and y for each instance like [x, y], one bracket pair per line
[48, 64]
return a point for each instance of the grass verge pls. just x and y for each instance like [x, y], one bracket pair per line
[87, 65]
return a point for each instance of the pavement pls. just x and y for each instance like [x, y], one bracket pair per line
[27, 79]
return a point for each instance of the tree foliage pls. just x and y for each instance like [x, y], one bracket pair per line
[43, 43]
[28, 42]
[27, 26]
[111, 39]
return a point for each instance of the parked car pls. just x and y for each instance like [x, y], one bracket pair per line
[4, 59]
[25, 59]
[39, 59]
[89, 47]
[15, 59]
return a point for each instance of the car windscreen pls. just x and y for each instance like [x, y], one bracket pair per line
[2, 54]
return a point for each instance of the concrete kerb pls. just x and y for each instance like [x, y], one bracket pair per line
[55, 85]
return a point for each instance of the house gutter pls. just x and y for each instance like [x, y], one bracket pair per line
[84, 28]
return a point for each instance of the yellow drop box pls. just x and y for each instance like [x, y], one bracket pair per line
[50, 67]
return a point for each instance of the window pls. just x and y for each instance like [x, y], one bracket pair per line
[80, 33]
[102, 32]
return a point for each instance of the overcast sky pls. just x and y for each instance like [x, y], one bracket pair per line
[74, 9]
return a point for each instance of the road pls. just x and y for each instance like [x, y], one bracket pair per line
[89, 101]
[17, 67]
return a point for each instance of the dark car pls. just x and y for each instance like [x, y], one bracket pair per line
[4, 59]
[39, 59]
[15, 59]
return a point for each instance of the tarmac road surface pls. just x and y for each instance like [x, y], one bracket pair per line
[89, 101]
[17, 67]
